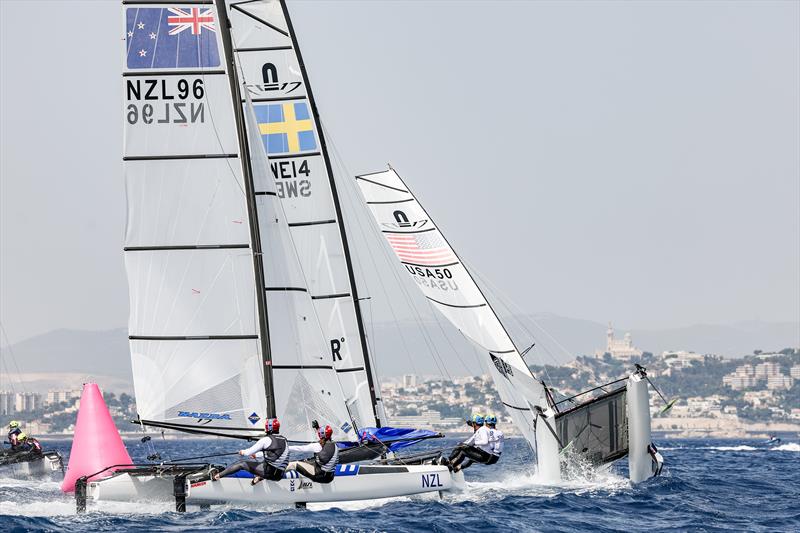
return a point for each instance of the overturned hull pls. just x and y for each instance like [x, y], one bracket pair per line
[600, 431]
[352, 482]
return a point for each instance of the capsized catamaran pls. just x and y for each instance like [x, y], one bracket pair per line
[601, 429]
[243, 301]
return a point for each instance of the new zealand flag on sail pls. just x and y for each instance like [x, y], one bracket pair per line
[171, 37]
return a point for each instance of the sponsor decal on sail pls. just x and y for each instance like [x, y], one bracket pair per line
[254, 418]
[204, 416]
[402, 222]
[171, 37]
[501, 366]
[286, 128]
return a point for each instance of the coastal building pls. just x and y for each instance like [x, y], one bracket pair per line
[681, 358]
[621, 349]
[26, 402]
[767, 369]
[742, 378]
[59, 396]
[409, 381]
[7, 403]
[779, 382]
[794, 372]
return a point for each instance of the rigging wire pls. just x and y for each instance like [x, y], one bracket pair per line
[416, 314]
[4, 360]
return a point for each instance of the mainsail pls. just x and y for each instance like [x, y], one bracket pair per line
[287, 124]
[223, 332]
[438, 272]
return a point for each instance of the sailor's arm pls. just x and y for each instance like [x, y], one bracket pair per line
[480, 438]
[313, 447]
[261, 444]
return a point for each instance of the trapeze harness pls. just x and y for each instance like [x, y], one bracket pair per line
[276, 457]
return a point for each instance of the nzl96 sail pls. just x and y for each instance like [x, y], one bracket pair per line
[224, 324]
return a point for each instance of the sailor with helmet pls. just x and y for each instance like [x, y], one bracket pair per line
[266, 459]
[326, 457]
[475, 449]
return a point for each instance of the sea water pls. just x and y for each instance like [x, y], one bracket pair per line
[707, 485]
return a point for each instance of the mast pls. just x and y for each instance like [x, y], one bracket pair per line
[340, 220]
[255, 238]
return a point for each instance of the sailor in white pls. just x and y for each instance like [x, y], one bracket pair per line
[496, 438]
[326, 457]
[474, 449]
[266, 459]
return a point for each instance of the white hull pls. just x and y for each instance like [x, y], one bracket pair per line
[352, 482]
[43, 466]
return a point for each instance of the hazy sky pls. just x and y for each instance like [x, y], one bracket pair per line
[629, 161]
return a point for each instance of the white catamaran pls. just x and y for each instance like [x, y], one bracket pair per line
[244, 303]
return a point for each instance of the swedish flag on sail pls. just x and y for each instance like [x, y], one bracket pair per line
[286, 128]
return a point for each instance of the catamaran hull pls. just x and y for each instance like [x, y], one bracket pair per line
[49, 464]
[352, 482]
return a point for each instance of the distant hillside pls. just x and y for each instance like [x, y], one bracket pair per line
[74, 351]
[428, 346]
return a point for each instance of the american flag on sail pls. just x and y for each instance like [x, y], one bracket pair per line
[428, 248]
[171, 37]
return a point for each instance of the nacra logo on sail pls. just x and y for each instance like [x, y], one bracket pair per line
[204, 416]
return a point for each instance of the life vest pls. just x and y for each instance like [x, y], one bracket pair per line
[496, 441]
[12, 436]
[277, 453]
[328, 457]
[35, 445]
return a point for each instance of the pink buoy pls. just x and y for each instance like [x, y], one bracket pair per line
[96, 443]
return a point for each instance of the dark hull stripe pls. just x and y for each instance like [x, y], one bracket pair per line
[279, 289]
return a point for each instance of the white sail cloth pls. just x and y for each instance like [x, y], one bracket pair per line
[269, 64]
[195, 329]
[437, 271]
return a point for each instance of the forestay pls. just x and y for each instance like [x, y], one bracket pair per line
[287, 125]
[200, 344]
[435, 268]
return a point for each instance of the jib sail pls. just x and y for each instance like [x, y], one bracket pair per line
[287, 125]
